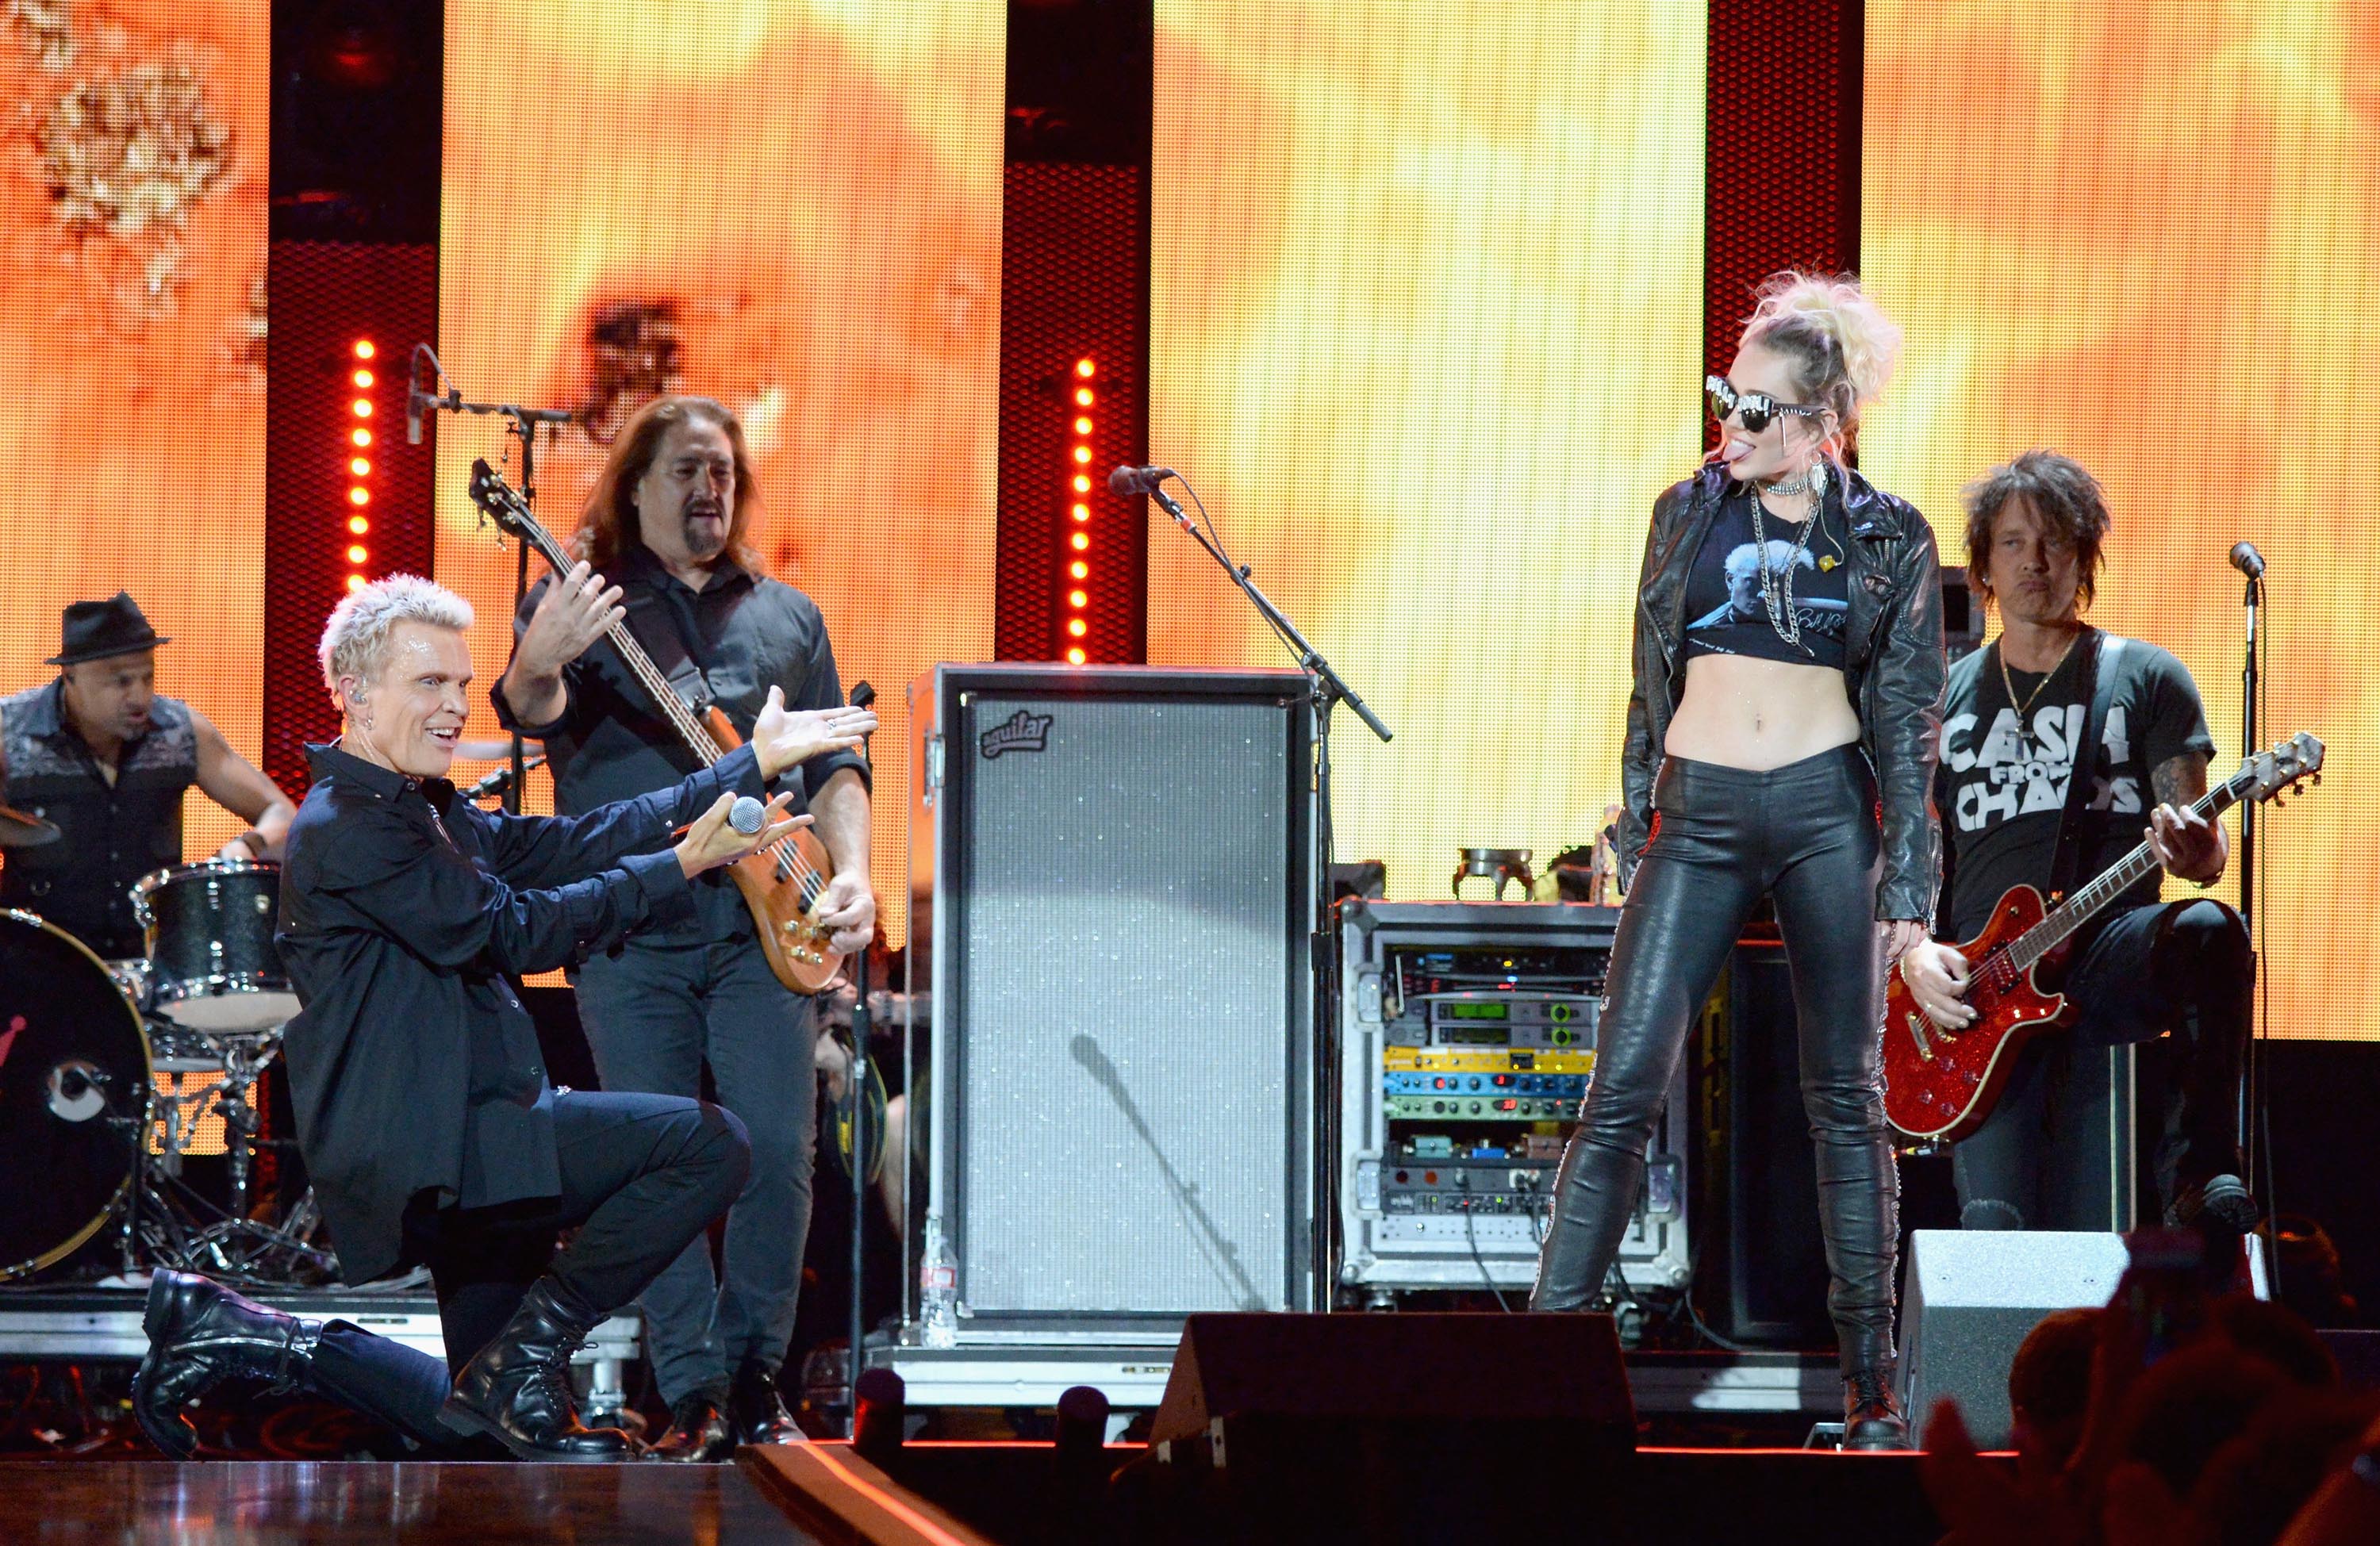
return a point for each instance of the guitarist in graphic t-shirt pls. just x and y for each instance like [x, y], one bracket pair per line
[2144, 968]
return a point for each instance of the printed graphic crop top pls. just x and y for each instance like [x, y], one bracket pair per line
[1728, 611]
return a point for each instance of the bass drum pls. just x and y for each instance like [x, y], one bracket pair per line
[72, 1053]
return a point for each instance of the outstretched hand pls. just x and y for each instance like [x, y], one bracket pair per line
[783, 737]
[710, 842]
[576, 610]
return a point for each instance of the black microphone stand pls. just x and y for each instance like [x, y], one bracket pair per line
[522, 424]
[1325, 690]
[2251, 681]
[862, 694]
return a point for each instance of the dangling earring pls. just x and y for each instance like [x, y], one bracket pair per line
[1817, 480]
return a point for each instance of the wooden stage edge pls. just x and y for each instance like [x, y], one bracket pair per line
[831, 1489]
[781, 1495]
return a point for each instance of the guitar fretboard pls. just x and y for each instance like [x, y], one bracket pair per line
[2027, 949]
[648, 676]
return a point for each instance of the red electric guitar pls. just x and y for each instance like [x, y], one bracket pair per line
[1940, 1085]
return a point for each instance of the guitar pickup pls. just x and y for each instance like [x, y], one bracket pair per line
[1917, 1031]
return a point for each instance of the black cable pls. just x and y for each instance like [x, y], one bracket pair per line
[1471, 1235]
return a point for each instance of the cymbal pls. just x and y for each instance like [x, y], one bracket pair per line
[19, 830]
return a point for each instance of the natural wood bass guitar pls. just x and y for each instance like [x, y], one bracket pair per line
[1941, 1086]
[780, 882]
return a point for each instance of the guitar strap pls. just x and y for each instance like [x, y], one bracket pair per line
[655, 625]
[2099, 651]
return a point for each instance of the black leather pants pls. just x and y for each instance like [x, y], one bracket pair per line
[1806, 834]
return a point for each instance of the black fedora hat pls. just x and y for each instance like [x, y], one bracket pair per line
[95, 630]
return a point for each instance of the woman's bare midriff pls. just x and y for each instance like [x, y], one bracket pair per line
[1742, 712]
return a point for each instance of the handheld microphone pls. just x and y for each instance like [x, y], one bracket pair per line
[746, 814]
[2247, 561]
[1129, 481]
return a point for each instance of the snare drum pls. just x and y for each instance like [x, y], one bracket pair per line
[211, 964]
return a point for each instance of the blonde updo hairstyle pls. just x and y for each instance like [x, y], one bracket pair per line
[1842, 345]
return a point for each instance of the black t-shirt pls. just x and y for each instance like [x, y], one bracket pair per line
[1726, 613]
[2001, 786]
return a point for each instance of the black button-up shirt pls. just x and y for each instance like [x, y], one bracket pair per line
[406, 916]
[746, 635]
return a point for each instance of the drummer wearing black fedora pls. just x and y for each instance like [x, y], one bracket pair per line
[101, 753]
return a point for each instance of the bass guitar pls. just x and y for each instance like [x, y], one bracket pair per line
[1941, 1086]
[780, 883]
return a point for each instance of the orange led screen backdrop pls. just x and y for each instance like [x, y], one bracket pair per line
[1426, 333]
[132, 248]
[793, 207]
[2141, 235]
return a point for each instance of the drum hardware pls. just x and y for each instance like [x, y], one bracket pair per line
[18, 829]
[96, 1136]
[176, 1227]
[1503, 866]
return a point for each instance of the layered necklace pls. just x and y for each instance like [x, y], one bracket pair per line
[1776, 590]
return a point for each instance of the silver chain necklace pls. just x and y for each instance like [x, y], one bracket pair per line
[1775, 592]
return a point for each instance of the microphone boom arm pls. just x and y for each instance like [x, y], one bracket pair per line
[1328, 683]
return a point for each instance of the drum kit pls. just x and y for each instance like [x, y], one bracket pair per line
[113, 1072]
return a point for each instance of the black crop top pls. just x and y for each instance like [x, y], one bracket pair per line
[1726, 610]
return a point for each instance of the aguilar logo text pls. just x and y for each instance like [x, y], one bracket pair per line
[1021, 731]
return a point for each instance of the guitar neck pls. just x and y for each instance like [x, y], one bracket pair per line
[2030, 947]
[691, 729]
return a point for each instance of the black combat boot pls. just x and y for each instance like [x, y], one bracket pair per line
[756, 1412]
[698, 1432]
[517, 1391]
[1871, 1417]
[199, 1334]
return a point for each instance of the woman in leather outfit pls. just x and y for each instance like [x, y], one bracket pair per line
[1781, 740]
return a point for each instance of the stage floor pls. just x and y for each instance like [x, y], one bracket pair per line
[271, 1501]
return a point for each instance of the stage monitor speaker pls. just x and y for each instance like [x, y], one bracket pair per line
[1972, 1297]
[1112, 885]
[1395, 1427]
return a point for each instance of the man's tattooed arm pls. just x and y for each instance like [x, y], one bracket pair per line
[2179, 780]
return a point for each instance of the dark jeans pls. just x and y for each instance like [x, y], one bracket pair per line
[641, 1176]
[1806, 835]
[2178, 971]
[654, 1014]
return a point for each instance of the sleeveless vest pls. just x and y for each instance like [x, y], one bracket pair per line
[108, 836]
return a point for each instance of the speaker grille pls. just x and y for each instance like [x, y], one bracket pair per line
[1126, 1004]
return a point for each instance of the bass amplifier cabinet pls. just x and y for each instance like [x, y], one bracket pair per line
[1111, 901]
[1467, 1034]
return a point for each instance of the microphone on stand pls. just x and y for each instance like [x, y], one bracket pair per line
[415, 398]
[1137, 480]
[2247, 561]
[497, 782]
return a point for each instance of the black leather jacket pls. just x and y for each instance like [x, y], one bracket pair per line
[1893, 668]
